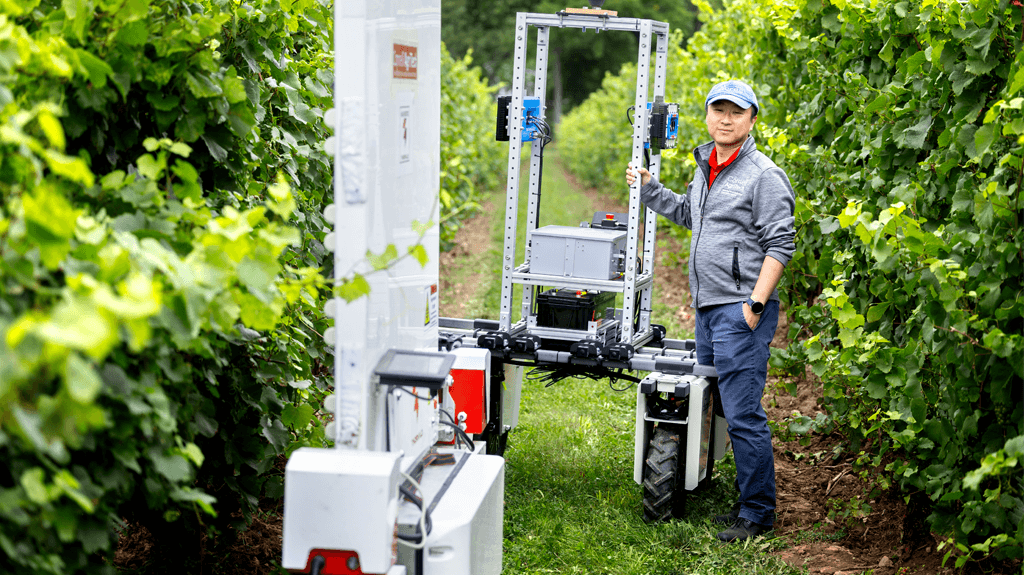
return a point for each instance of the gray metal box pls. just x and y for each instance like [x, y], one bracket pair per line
[585, 253]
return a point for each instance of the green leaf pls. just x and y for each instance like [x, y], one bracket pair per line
[202, 86]
[48, 211]
[1018, 82]
[194, 454]
[877, 388]
[421, 228]
[216, 150]
[78, 324]
[94, 536]
[181, 149]
[420, 253]
[258, 276]
[256, 314]
[919, 410]
[979, 66]
[66, 483]
[961, 79]
[384, 259]
[185, 171]
[233, 88]
[999, 343]
[886, 53]
[277, 435]
[915, 136]
[913, 63]
[97, 70]
[32, 483]
[849, 215]
[877, 312]
[205, 501]
[163, 101]
[847, 337]
[303, 113]
[880, 248]
[133, 33]
[282, 202]
[353, 289]
[241, 120]
[984, 138]
[174, 467]
[317, 88]
[297, 416]
[877, 104]
[65, 520]
[191, 125]
[70, 167]
[52, 129]
[151, 167]
[83, 384]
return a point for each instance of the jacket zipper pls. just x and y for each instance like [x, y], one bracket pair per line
[736, 264]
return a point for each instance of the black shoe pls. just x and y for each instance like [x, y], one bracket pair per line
[742, 530]
[729, 518]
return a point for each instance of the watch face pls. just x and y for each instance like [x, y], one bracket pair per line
[756, 306]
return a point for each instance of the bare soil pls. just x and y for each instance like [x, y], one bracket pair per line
[459, 292]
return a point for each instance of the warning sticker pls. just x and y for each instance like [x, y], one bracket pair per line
[406, 62]
[430, 318]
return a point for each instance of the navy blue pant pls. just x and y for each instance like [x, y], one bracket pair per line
[740, 355]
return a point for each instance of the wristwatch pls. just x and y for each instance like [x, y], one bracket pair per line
[755, 306]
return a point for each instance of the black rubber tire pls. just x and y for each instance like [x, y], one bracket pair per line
[664, 495]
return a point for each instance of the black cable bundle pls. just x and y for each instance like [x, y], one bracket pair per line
[647, 152]
[550, 375]
[543, 128]
[545, 138]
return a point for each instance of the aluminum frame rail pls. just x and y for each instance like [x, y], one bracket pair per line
[638, 279]
[676, 356]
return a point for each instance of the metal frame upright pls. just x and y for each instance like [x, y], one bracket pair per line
[639, 273]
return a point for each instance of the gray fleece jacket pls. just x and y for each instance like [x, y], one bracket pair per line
[746, 215]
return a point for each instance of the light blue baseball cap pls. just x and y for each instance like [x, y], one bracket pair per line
[737, 92]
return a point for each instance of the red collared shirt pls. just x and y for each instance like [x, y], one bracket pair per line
[716, 167]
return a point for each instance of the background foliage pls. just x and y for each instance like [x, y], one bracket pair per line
[487, 28]
[900, 127]
[472, 161]
[161, 184]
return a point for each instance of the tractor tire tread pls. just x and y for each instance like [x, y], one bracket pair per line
[661, 496]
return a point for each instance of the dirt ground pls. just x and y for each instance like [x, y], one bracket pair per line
[886, 539]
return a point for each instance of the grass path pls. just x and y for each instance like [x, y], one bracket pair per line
[571, 505]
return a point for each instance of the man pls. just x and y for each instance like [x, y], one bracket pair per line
[739, 207]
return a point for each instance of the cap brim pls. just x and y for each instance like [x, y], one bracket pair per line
[734, 99]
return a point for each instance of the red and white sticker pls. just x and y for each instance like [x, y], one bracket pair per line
[406, 62]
